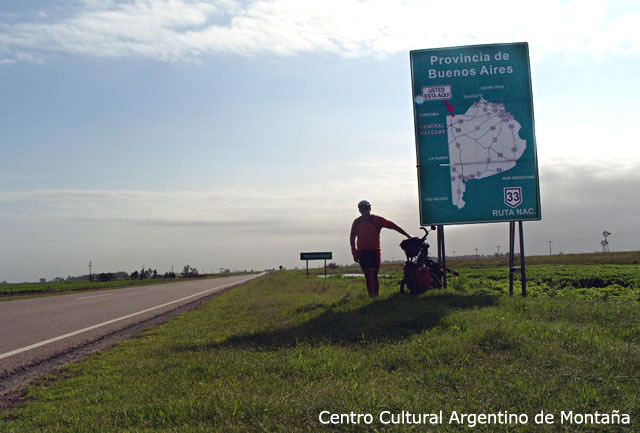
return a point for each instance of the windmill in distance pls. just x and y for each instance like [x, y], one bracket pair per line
[605, 242]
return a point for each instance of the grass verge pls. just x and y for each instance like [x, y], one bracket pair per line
[271, 355]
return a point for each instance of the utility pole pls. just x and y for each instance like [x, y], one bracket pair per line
[498, 247]
[549, 247]
[90, 275]
[477, 258]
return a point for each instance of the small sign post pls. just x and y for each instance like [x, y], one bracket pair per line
[316, 256]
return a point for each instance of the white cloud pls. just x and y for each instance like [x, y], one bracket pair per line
[184, 30]
[582, 142]
[320, 204]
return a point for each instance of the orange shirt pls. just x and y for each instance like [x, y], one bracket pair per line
[367, 231]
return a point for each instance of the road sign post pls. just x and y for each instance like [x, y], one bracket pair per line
[442, 256]
[513, 269]
[475, 136]
[316, 256]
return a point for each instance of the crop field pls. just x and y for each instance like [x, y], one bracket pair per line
[71, 286]
[612, 258]
[274, 354]
[10, 290]
[616, 282]
[586, 276]
[613, 276]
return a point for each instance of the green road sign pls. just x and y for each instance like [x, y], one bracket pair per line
[315, 256]
[475, 138]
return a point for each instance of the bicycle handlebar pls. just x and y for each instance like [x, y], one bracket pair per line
[426, 233]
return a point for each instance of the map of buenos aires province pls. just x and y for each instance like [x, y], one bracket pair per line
[483, 142]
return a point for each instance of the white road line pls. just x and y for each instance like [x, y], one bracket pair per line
[108, 322]
[95, 296]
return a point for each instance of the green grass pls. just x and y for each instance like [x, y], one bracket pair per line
[271, 355]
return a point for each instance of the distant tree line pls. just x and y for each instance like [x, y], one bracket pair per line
[143, 274]
[108, 276]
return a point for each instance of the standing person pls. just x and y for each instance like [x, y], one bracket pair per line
[366, 229]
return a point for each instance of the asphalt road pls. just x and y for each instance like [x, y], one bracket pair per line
[37, 329]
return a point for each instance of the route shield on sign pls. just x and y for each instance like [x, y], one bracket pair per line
[513, 197]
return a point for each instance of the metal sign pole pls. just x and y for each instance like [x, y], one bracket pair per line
[325, 269]
[442, 255]
[511, 235]
[438, 245]
[307, 268]
[513, 269]
[522, 267]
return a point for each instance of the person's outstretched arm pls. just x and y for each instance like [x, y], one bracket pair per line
[391, 225]
[399, 230]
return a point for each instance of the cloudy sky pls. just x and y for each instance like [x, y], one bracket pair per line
[238, 133]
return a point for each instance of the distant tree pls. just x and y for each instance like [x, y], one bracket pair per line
[189, 272]
[155, 273]
[121, 275]
[169, 275]
[332, 266]
[145, 273]
[104, 277]
[134, 275]
[281, 267]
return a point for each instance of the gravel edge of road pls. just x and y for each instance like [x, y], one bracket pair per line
[11, 384]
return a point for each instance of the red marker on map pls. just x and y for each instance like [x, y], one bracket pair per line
[450, 108]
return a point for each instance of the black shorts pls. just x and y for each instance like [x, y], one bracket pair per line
[369, 259]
